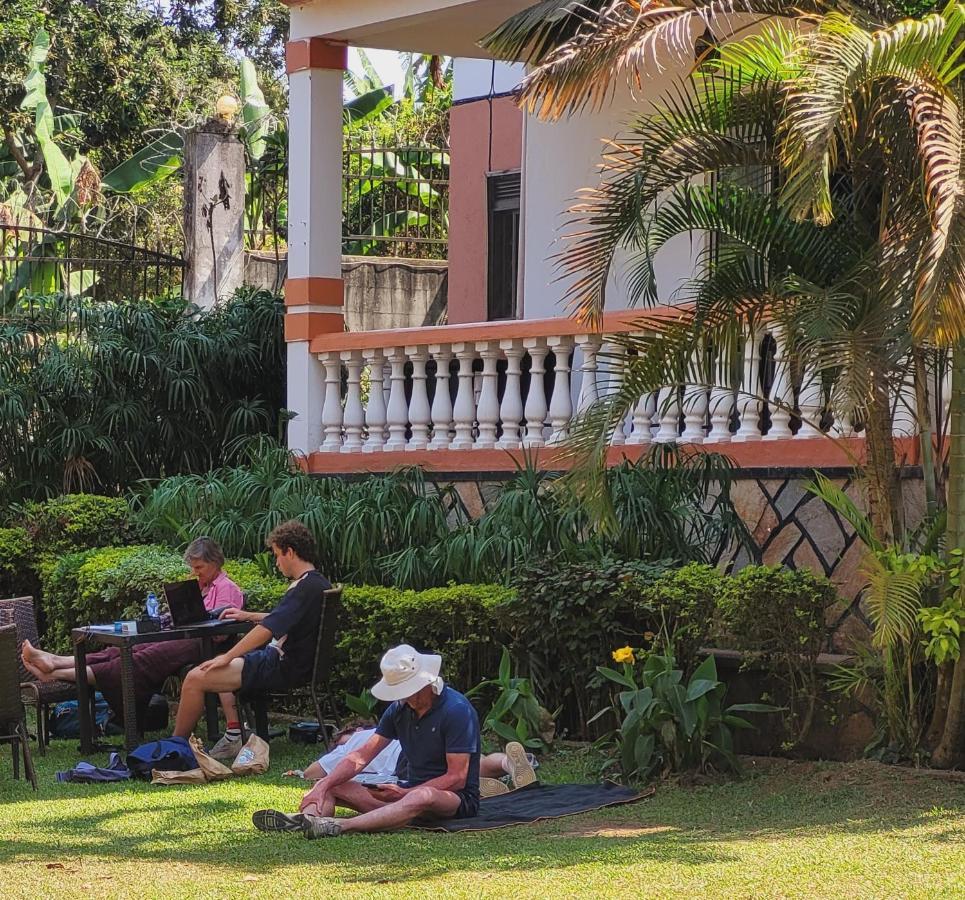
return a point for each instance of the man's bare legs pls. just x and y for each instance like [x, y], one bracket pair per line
[51, 667]
[494, 765]
[197, 683]
[419, 801]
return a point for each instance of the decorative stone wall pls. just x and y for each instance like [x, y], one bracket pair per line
[788, 526]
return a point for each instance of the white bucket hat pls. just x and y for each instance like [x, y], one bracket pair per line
[405, 671]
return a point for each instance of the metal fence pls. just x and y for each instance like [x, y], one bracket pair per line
[37, 260]
[395, 202]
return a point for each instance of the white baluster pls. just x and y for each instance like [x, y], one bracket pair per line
[419, 414]
[843, 426]
[614, 362]
[332, 409]
[642, 423]
[535, 410]
[668, 408]
[511, 409]
[354, 416]
[397, 414]
[748, 402]
[811, 404]
[695, 413]
[441, 402]
[375, 410]
[782, 397]
[721, 407]
[487, 411]
[589, 345]
[464, 412]
[561, 403]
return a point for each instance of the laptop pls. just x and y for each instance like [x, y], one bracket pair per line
[187, 605]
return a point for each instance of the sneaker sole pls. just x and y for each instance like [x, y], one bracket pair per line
[491, 787]
[521, 772]
[272, 820]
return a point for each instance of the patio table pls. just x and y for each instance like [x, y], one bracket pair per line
[105, 634]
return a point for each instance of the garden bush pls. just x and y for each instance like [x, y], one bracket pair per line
[17, 576]
[779, 614]
[566, 617]
[76, 522]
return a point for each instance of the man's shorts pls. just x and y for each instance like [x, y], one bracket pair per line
[262, 672]
[468, 804]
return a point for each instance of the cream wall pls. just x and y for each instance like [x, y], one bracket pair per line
[563, 156]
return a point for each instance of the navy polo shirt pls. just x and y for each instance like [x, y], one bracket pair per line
[450, 726]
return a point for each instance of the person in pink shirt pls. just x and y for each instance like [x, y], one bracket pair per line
[154, 662]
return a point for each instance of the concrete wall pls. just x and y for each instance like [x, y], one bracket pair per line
[380, 293]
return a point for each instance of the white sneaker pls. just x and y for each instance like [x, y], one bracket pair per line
[227, 748]
[520, 771]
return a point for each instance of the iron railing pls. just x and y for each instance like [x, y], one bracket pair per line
[395, 202]
[36, 260]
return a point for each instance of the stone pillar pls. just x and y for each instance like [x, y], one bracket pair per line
[214, 212]
[313, 289]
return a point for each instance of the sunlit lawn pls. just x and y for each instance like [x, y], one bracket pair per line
[786, 830]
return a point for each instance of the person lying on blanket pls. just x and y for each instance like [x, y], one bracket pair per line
[438, 731]
[391, 766]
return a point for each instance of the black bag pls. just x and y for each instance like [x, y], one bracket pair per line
[156, 714]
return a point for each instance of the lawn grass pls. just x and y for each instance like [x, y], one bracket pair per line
[785, 830]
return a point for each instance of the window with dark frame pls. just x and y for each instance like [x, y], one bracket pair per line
[504, 191]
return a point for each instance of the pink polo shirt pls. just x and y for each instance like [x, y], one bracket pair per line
[222, 592]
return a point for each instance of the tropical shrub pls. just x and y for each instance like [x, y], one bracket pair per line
[516, 713]
[780, 615]
[404, 530]
[103, 395]
[667, 725]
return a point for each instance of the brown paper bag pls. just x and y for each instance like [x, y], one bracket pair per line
[192, 776]
[252, 759]
[212, 768]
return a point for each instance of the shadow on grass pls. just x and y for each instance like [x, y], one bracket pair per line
[211, 827]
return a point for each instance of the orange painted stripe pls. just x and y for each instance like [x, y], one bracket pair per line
[816, 453]
[307, 325]
[625, 320]
[315, 53]
[314, 291]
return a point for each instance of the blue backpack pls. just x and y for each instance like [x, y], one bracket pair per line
[65, 721]
[171, 754]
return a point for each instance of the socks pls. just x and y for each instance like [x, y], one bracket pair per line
[233, 730]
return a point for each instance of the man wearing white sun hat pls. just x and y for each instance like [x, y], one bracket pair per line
[439, 733]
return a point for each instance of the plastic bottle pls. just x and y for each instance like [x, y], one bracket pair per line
[152, 606]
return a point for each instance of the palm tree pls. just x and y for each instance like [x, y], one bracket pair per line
[859, 256]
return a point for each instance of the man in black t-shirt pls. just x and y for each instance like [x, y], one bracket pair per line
[291, 628]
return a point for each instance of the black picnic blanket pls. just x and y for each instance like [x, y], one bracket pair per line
[540, 801]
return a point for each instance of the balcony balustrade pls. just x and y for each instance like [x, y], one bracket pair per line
[520, 384]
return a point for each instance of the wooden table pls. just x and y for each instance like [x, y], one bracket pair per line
[125, 643]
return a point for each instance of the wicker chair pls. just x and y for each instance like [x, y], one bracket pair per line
[328, 626]
[41, 695]
[13, 725]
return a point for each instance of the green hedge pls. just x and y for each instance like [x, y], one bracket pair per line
[17, 574]
[76, 522]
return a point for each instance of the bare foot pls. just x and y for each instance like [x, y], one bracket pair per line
[36, 658]
[38, 673]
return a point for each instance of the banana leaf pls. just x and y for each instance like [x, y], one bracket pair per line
[160, 158]
[254, 111]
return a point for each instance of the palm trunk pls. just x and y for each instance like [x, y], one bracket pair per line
[951, 749]
[923, 415]
[884, 488]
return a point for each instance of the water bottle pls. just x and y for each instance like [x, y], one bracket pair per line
[152, 607]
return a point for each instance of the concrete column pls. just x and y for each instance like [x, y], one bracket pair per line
[313, 290]
[214, 211]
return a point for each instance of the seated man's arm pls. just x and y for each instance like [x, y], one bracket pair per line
[457, 771]
[233, 614]
[257, 637]
[353, 763]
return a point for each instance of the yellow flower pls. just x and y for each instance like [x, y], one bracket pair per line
[624, 655]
